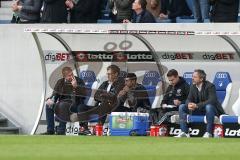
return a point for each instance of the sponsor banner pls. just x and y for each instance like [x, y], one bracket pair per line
[195, 130]
[198, 56]
[232, 130]
[72, 128]
[161, 32]
[52, 56]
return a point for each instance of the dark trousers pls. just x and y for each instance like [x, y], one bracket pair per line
[62, 124]
[208, 110]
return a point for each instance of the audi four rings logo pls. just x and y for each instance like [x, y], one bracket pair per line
[150, 74]
[221, 75]
[187, 75]
[86, 74]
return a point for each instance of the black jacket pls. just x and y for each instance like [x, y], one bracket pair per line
[54, 11]
[146, 17]
[207, 95]
[224, 10]
[176, 8]
[30, 9]
[64, 91]
[138, 96]
[84, 12]
[101, 94]
[179, 91]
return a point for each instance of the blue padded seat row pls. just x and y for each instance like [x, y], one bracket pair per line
[224, 119]
[195, 119]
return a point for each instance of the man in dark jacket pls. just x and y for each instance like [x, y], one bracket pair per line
[109, 89]
[176, 94]
[202, 100]
[174, 8]
[141, 14]
[120, 10]
[54, 11]
[27, 11]
[68, 94]
[224, 10]
[81, 11]
[133, 97]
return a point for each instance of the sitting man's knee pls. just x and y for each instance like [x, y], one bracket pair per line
[209, 107]
[182, 107]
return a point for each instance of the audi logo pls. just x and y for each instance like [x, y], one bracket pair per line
[221, 75]
[151, 75]
[86, 74]
[187, 75]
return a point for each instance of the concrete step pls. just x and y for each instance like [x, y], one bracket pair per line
[6, 4]
[9, 130]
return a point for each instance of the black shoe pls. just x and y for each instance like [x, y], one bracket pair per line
[85, 132]
[48, 133]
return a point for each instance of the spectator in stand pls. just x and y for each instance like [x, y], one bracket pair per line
[224, 10]
[26, 11]
[170, 9]
[154, 6]
[201, 10]
[141, 14]
[54, 11]
[81, 11]
[121, 9]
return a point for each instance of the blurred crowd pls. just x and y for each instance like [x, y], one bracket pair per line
[124, 11]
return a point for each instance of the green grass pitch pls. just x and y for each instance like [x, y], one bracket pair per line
[116, 148]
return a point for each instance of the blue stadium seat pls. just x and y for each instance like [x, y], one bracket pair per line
[195, 119]
[89, 78]
[104, 21]
[224, 119]
[150, 82]
[223, 84]
[186, 19]
[188, 77]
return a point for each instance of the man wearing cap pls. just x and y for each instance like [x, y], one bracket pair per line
[133, 97]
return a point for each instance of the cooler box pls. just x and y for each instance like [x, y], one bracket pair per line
[128, 124]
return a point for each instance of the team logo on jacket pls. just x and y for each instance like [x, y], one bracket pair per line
[179, 92]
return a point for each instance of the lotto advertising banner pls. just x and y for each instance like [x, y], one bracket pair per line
[136, 56]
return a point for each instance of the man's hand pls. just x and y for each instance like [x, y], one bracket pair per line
[49, 102]
[121, 93]
[163, 16]
[69, 4]
[74, 82]
[176, 102]
[192, 106]
[126, 21]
